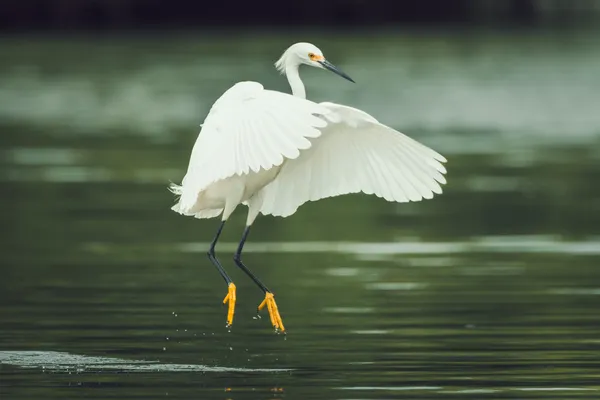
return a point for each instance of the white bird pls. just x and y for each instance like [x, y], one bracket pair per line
[273, 152]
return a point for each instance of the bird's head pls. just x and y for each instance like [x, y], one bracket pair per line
[309, 54]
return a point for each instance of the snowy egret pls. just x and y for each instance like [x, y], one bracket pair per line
[273, 152]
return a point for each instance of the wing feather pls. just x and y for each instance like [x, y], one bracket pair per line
[355, 153]
[421, 171]
[248, 129]
[414, 175]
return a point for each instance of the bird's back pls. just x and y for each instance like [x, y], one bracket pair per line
[248, 129]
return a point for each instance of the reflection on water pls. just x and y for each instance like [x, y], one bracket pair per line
[490, 291]
[500, 244]
[53, 361]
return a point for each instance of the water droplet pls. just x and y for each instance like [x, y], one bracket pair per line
[231, 348]
[164, 348]
[167, 338]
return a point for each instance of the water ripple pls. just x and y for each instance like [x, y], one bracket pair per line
[65, 362]
[396, 285]
[501, 244]
[391, 388]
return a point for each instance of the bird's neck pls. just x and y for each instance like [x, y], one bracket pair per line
[291, 71]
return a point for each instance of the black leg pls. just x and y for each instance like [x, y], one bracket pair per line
[238, 260]
[213, 258]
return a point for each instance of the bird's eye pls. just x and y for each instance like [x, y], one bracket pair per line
[311, 55]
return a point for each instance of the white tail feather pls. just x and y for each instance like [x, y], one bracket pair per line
[175, 189]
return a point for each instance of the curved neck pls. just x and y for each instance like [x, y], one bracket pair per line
[291, 71]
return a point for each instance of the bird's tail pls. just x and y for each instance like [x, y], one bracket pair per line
[175, 189]
[178, 191]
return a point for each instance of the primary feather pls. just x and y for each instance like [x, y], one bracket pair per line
[355, 153]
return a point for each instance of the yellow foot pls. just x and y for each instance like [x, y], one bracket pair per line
[231, 299]
[269, 301]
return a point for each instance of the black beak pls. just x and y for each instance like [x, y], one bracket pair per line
[327, 65]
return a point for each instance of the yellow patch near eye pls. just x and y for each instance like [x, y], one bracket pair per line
[315, 57]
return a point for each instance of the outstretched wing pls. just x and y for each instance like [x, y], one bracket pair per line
[355, 154]
[249, 128]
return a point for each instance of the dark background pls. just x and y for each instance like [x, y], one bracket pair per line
[131, 14]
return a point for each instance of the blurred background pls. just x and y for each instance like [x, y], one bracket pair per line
[488, 291]
[175, 14]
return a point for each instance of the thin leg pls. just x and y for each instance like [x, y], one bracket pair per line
[213, 258]
[231, 295]
[269, 300]
[238, 260]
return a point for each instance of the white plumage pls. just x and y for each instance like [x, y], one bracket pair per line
[355, 153]
[273, 152]
[247, 132]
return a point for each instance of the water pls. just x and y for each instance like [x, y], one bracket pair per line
[490, 291]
